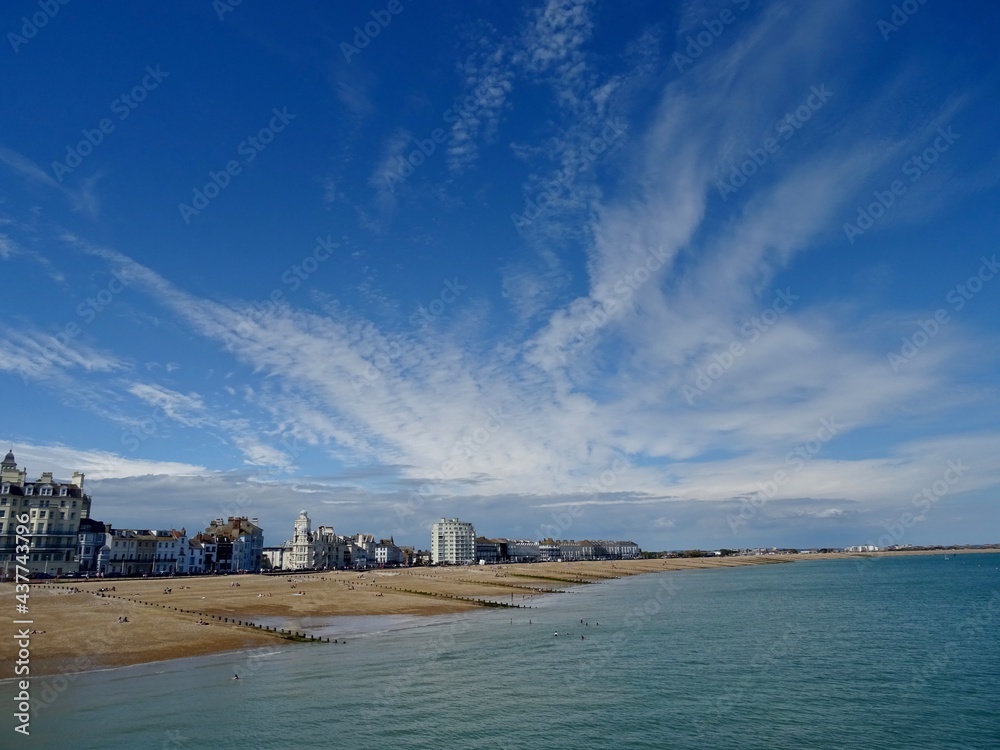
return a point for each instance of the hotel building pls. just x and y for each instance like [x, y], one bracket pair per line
[323, 549]
[53, 511]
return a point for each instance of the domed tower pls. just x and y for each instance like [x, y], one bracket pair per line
[303, 527]
[302, 546]
[9, 472]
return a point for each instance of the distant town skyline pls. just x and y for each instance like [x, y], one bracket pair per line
[685, 274]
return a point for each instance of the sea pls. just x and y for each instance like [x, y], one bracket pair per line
[877, 653]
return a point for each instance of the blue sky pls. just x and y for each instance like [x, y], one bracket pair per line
[707, 274]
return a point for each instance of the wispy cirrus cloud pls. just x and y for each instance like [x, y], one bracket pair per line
[639, 315]
[83, 198]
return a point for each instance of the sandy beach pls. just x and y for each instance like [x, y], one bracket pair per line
[78, 626]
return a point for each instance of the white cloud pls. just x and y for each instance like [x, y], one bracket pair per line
[487, 82]
[641, 278]
[97, 466]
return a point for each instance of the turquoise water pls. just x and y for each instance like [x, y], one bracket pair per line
[891, 653]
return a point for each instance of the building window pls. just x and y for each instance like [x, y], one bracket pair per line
[29, 489]
[45, 491]
[62, 492]
[5, 489]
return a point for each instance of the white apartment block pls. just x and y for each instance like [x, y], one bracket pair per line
[453, 541]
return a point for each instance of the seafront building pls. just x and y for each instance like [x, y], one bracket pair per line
[453, 542]
[235, 545]
[132, 552]
[387, 554]
[521, 550]
[102, 550]
[490, 551]
[64, 540]
[315, 550]
[324, 549]
[192, 560]
[93, 551]
[232, 546]
[142, 552]
[53, 511]
[171, 546]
